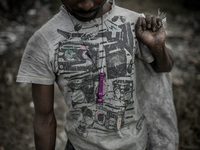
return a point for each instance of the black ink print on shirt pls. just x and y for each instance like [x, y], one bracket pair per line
[117, 109]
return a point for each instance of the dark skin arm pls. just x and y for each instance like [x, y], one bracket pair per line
[151, 33]
[44, 124]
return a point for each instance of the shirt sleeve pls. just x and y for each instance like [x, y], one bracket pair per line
[142, 52]
[36, 66]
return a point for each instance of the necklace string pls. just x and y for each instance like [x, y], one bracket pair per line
[89, 54]
[102, 67]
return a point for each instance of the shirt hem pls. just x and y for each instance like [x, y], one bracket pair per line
[35, 80]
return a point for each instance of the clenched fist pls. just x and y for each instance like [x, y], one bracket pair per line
[150, 31]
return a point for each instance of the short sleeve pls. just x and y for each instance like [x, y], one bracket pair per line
[144, 53]
[36, 66]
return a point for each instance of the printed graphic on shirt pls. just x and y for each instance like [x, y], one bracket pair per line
[81, 56]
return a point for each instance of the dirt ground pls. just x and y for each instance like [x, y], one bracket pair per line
[16, 107]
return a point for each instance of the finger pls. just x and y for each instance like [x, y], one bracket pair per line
[153, 23]
[159, 22]
[148, 21]
[138, 25]
[144, 24]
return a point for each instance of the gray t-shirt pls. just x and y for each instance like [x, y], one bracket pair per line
[73, 53]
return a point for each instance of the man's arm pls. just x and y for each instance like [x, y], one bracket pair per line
[150, 32]
[164, 60]
[44, 124]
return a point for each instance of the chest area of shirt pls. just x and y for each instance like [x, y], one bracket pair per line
[107, 47]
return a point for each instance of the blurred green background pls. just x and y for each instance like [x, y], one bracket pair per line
[19, 19]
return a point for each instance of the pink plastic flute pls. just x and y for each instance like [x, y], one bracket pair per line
[100, 90]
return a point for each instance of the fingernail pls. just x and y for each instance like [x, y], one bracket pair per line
[160, 24]
[154, 29]
[149, 26]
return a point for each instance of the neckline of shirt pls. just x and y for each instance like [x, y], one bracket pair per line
[64, 12]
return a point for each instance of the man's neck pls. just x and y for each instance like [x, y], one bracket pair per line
[106, 8]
